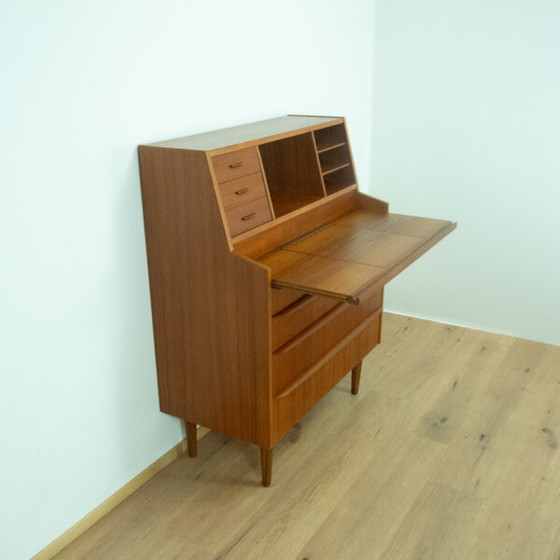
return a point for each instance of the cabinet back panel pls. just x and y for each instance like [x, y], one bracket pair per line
[291, 170]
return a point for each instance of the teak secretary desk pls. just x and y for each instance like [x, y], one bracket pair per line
[267, 268]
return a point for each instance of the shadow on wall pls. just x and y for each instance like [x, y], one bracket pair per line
[136, 402]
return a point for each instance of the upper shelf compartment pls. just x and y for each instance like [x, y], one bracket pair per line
[330, 138]
[292, 172]
[335, 159]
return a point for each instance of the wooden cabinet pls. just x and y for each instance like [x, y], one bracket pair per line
[267, 268]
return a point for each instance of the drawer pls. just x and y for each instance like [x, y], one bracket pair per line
[298, 398]
[307, 347]
[297, 316]
[247, 216]
[242, 190]
[236, 164]
[282, 297]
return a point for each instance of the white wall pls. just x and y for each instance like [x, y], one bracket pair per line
[82, 84]
[467, 127]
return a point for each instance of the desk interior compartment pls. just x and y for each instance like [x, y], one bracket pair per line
[292, 173]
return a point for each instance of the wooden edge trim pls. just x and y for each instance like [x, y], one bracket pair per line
[217, 194]
[323, 200]
[318, 365]
[276, 136]
[371, 203]
[114, 500]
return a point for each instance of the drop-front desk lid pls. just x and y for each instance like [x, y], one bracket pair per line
[355, 252]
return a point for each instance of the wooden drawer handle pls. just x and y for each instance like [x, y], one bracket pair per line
[248, 216]
[312, 328]
[242, 191]
[293, 307]
[235, 165]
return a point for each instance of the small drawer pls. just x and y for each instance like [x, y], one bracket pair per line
[236, 164]
[294, 318]
[247, 216]
[242, 190]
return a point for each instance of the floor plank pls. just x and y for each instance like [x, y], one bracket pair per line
[450, 451]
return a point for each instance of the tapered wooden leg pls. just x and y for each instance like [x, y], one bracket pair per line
[266, 466]
[192, 443]
[356, 372]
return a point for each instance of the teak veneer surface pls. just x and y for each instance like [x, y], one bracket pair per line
[232, 218]
[187, 291]
[374, 248]
[249, 134]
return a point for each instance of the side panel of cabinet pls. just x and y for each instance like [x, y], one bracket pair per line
[211, 308]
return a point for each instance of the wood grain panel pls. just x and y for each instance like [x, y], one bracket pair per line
[283, 231]
[321, 275]
[300, 314]
[358, 250]
[292, 405]
[309, 346]
[250, 134]
[282, 297]
[232, 215]
[247, 216]
[365, 246]
[212, 359]
[242, 190]
[237, 163]
[291, 169]
[394, 223]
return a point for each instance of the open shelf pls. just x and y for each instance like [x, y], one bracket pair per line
[330, 138]
[333, 167]
[339, 179]
[327, 147]
[334, 159]
[292, 172]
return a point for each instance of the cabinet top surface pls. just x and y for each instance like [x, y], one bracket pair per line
[261, 130]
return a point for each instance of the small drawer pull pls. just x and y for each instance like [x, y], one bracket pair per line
[242, 191]
[235, 165]
[248, 216]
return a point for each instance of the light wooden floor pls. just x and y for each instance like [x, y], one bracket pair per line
[449, 452]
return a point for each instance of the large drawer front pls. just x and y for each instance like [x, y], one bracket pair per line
[297, 316]
[282, 297]
[236, 164]
[308, 346]
[302, 395]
